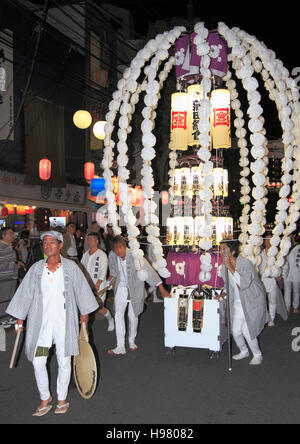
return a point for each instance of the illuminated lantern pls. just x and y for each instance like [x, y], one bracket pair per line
[45, 169]
[196, 180]
[82, 119]
[199, 224]
[98, 130]
[224, 229]
[4, 212]
[178, 140]
[164, 197]
[89, 171]
[188, 231]
[170, 239]
[220, 182]
[220, 119]
[195, 95]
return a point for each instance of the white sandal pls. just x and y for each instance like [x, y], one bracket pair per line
[61, 407]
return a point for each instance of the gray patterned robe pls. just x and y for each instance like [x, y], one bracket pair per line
[28, 303]
[136, 287]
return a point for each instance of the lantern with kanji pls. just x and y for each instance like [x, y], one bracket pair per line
[195, 95]
[45, 169]
[220, 119]
[178, 140]
[89, 171]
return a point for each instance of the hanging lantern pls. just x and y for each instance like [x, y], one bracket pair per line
[4, 212]
[196, 180]
[82, 119]
[164, 197]
[98, 130]
[224, 229]
[170, 239]
[89, 171]
[178, 140]
[45, 169]
[220, 119]
[220, 182]
[195, 95]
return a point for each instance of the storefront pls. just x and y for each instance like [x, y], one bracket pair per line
[24, 206]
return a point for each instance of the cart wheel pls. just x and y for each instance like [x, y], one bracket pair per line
[171, 351]
[214, 356]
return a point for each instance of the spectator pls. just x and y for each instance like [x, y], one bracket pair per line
[79, 237]
[107, 237]
[69, 249]
[274, 295]
[8, 268]
[95, 229]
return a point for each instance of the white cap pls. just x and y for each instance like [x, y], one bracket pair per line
[53, 233]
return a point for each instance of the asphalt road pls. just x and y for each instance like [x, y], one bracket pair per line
[150, 386]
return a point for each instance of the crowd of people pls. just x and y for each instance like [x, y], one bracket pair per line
[71, 269]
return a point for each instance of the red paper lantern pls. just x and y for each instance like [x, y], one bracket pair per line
[89, 171]
[45, 169]
[4, 212]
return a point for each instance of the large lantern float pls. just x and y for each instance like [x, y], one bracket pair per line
[214, 97]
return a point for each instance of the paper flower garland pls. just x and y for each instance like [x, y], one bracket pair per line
[204, 153]
[250, 58]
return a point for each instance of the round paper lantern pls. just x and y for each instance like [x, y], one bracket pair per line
[98, 129]
[82, 119]
[89, 171]
[45, 169]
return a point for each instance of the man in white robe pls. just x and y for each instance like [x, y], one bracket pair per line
[95, 263]
[247, 302]
[129, 292]
[49, 297]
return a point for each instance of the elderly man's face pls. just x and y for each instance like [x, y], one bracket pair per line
[51, 246]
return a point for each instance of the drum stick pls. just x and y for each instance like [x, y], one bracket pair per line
[15, 349]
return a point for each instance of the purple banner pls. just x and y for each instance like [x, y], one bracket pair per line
[185, 269]
[188, 61]
[182, 55]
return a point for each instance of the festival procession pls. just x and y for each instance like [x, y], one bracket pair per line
[200, 224]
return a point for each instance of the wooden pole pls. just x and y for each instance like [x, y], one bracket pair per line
[11, 365]
[228, 320]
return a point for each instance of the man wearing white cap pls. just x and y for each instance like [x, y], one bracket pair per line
[49, 297]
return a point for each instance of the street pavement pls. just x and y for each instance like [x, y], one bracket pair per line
[152, 386]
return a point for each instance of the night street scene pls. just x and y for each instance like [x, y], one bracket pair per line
[149, 216]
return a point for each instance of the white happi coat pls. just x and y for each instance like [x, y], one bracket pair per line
[96, 266]
[28, 303]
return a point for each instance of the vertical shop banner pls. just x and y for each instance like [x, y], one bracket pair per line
[7, 107]
[44, 137]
